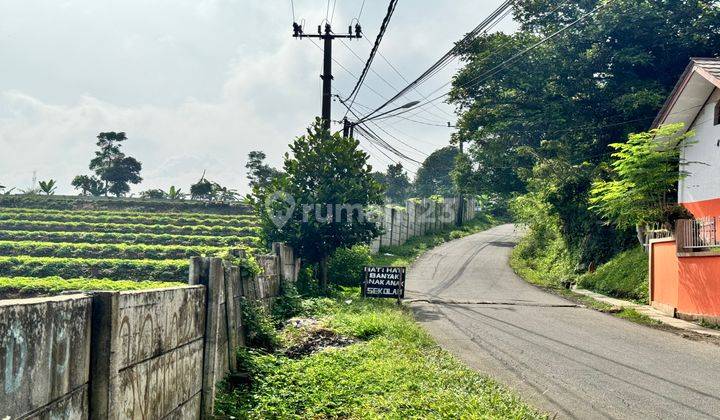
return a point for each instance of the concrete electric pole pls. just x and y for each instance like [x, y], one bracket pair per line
[328, 36]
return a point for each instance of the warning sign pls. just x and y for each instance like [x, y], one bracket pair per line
[384, 282]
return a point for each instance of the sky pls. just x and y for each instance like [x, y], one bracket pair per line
[198, 84]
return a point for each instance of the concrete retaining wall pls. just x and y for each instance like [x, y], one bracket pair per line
[45, 357]
[418, 218]
[147, 354]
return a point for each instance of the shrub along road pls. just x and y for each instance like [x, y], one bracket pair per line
[565, 359]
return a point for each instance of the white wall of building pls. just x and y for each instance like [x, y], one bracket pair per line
[703, 157]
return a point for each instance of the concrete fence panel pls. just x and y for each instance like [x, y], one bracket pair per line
[45, 357]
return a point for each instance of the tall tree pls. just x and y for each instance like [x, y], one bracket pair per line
[433, 177]
[259, 173]
[327, 181]
[544, 122]
[397, 183]
[112, 166]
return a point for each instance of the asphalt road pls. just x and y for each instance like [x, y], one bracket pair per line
[566, 360]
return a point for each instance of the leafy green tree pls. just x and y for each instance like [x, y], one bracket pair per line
[48, 187]
[643, 178]
[156, 194]
[463, 175]
[543, 123]
[325, 174]
[112, 166]
[259, 173]
[397, 183]
[89, 185]
[433, 177]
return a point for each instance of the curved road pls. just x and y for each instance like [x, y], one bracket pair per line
[567, 360]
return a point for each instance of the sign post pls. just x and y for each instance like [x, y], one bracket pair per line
[384, 282]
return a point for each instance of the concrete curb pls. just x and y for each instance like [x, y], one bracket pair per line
[650, 312]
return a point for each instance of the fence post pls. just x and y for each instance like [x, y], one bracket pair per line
[213, 283]
[103, 359]
[230, 314]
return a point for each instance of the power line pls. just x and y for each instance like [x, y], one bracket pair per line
[493, 71]
[378, 40]
[447, 57]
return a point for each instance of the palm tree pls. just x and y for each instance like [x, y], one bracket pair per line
[48, 187]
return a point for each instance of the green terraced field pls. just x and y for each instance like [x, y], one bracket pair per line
[95, 247]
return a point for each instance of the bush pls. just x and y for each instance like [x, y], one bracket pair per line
[625, 276]
[259, 329]
[345, 267]
[288, 304]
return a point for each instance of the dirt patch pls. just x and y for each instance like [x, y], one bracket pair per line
[312, 338]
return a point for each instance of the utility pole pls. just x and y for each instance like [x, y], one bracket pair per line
[461, 199]
[328, 36]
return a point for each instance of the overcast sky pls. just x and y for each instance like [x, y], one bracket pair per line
[197, 84]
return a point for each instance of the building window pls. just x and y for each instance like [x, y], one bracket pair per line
[717, 113]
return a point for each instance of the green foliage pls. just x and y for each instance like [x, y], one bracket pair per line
[126, 217]
[175, 193]
[543, 258]
[259, 328]
[48, 187]
[199, 230]
[259, 173]
[326, 171]
[625, 276]
[433, 176]
[288, 304]
[463, 175]
[643, 177]
[397, 184]
[112, 166]
[129, 238]
[211, 191]
[399, 366]
[68, 268]
[103, 250]
[89, 185]
[156, 194]
[543, 124]
[345, 266]
[53, 285]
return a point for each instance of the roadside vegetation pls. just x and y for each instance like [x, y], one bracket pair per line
[347, 357]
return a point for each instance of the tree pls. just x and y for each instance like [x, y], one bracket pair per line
[397, 183]
[89, 185]
[175, 193]
[112, 166]
[48, 187]
[259, 173]
[433, 177]
[325, 188]
[643, 178]
[208, 190]
[156, 194]
[544, 122]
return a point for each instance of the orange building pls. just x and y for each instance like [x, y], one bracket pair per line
[685, 270]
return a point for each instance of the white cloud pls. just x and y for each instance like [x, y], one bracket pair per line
[195, 84]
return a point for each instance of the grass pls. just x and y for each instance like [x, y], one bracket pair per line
[29, 286]
[404, 255]
[395, 371]
[122, 251]
[201, 230]
[625, 277]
